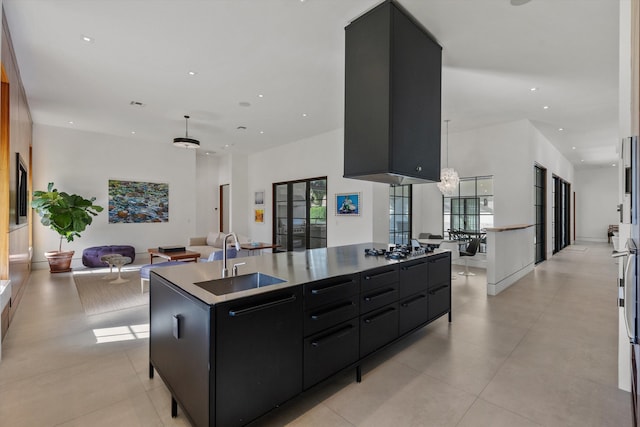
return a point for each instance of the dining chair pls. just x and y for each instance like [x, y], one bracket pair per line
[470, 251]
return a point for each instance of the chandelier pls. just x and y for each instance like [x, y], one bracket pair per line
[449, 179]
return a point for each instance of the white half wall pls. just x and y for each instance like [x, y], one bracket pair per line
[83, 163]
[596, 202]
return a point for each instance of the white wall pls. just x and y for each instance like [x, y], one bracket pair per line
[596, 202]
[508, 151]
[207, 189]
[321, 155]
[83, 162]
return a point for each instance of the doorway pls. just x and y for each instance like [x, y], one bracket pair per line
[224, 208]
[540, 205]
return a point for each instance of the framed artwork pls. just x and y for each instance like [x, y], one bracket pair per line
[138, 202]
[348, 204]
[259, 215]
[259, 197]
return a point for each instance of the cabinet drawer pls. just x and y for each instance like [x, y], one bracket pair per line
[439, 269]
[325, 291]
[439, 300]
[330, 351]
[378, 277]
[378, 328]
[378, 297]
[412, 312]
[331, 314]
[413, 277]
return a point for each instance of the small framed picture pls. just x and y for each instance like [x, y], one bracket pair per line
[258, 215]
[259, 197]
[348, 204]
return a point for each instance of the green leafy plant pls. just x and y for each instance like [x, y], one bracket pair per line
[66, 214]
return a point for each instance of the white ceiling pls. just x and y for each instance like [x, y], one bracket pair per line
[292, 53]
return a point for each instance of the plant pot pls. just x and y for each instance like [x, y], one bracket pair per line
[59, 262]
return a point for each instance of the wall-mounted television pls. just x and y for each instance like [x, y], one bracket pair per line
[22, 179]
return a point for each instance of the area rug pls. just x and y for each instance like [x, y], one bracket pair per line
[98, 295]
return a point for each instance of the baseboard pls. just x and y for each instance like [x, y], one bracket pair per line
[591, 239]
[496, 288]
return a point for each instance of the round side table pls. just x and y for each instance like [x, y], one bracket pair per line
[120, 261]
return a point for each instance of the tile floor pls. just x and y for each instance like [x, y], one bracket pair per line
[542, 353]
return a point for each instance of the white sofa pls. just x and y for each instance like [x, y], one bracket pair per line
[212, 242]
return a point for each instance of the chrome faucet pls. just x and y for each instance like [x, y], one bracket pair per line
[225, 271]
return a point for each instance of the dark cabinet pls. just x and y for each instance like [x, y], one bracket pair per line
[258, 355]
[413, 277]
[180, 347]
[229, 363]
[331, 326]
[329, 351]
[439, 285]
[378, 328]
[413, 311]
[392, 98]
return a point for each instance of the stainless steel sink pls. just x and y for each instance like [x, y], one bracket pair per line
[230, 285]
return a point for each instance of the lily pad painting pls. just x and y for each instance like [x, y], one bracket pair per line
[138, 202]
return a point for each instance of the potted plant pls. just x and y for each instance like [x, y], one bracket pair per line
[66, 214]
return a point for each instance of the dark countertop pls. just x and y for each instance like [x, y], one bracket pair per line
[294, 267]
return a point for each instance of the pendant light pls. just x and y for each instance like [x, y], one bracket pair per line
[186, 142]
[449, 179]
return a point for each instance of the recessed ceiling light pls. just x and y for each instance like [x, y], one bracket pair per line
[546, 107]
[260, 95]
[304, 114]
[87, 39]
[70, 122]
[192, 73]
[613, 164]
[573, 148]
[226, 145]
[207, 153]
[261, 132]
[241, 128]
[533, 89]
[560, 129]
[582, 160]
[133, 132]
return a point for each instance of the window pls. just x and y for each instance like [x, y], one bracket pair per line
[300, 220]
[400, 214]
[470, 210]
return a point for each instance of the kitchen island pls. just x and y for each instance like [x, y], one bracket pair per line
[230, 350]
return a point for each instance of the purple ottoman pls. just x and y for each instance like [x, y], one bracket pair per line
[91, 256]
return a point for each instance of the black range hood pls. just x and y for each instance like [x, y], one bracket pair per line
[393, 71]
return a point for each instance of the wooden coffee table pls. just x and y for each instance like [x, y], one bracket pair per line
[174, 256]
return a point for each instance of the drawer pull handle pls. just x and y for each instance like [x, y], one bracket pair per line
[332, 336]
[384, 273]
[409, 267]
[329, 288]
[318, 315]
[369, 298]
[266, 305]
[411, 301]
[438, 289]
[380, 315]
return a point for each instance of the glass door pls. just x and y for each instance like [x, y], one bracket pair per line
[300, 220]
[539, 187]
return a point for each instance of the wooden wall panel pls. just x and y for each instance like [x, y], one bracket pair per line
[15, 137]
